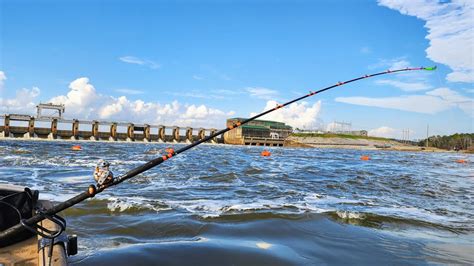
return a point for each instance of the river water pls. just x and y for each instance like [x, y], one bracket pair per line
[227, 205]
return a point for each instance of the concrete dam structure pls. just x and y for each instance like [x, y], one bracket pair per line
[29, 127]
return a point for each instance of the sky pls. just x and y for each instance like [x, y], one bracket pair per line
[197, 63]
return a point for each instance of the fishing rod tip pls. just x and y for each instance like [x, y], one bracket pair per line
[430, 68]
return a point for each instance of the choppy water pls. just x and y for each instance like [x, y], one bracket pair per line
[221, 205]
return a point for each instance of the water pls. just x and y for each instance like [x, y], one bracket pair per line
[222, 205]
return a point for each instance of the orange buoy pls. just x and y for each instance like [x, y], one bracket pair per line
[76, 148]
[169, 150]
[461, 161]
[365, 157]
[265, 153]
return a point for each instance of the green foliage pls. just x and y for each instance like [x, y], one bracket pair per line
[455, 141]
[331, 135]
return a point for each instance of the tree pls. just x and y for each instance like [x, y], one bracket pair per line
[460, 141]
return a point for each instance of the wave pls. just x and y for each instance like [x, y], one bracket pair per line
[237, 210]
[135, 204]
[383, 222]
[236, 183]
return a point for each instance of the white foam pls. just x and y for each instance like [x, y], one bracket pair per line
[350, 215]
[56, 197]
[215, 208]
[75, 179]
[263, 245]
[122, 204]
[410, 212]
[328, 200]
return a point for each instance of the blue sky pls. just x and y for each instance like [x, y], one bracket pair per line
[198, 63]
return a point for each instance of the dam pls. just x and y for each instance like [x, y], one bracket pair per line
[53, 126]
[57, 128]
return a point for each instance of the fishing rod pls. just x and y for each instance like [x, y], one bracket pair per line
[92, 190]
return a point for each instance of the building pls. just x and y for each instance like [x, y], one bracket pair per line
[257, 132]
[363, 133]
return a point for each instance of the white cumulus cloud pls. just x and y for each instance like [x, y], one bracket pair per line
[84, 102]
[81, 99]
[450, 32]
[297, 115]
[24, 101]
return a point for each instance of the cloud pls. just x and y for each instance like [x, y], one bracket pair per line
[139, 61]
[464, 103]
[414, 103]
[297, 115]
[338, 126]
[261, 93]
[214, 72]
[450, 32]
[228, 92]
[200, 112]
[193, 94]
[407, 81]
[84, 102]
[401, 63]
[394, 63]
[81, 99]
[431, 102]
[130, 91]
[392, 133]
[24, 101]
[196, 77]
[3, 77]
[365, 50]
[405, 86]
[384, 132]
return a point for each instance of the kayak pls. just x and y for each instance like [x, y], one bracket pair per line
[36, 249]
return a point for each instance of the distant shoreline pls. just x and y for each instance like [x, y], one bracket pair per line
[358, 143]
[292, 142]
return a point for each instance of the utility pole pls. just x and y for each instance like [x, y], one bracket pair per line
[427, 134]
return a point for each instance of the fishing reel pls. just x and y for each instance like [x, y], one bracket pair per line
[102, 175]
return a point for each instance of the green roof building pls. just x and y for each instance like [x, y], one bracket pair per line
[256, 131]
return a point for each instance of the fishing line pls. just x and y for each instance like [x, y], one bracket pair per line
[92, 190]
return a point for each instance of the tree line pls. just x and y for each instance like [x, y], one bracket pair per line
[453, 142]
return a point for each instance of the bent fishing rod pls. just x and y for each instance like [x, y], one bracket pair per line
[92, 190]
